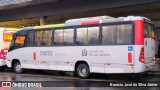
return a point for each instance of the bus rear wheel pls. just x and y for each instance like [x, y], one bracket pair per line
[83, 71]
[17, 68]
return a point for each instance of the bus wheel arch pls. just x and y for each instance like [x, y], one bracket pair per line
[16, 66]
[80, 67]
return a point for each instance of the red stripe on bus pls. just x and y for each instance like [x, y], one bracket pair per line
[34, 55]
[139, 32]
[90, 23]
[130, 57]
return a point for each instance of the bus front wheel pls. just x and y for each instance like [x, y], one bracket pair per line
[83, 71]
[17, 68]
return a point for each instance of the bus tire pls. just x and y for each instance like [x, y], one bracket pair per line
[17, 68]
[83, 71]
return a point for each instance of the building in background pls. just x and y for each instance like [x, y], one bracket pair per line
[22, 13]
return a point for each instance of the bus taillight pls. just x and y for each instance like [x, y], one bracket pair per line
[151, 38]
[154, 59]
[130, 57]
[141, 57]
[2, 55]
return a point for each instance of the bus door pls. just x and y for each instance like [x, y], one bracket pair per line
[24, 55]
[31, 52]
[43, 43]
[149, 44]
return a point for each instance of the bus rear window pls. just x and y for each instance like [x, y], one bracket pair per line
[7, 36]
[148, 30]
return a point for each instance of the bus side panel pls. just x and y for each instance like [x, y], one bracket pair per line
[25, 56]
[9, 59]
[139, 66]
[55, 58]
[111, 59]
[101, 59]
[139, 43]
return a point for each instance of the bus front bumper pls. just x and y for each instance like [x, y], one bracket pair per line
[8, 63]
[2, 62]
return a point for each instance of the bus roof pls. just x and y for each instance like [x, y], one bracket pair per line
[49, 26]
[100, 19]
[87, 21]
[43, 26]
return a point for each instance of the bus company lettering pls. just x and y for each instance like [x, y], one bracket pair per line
[94, 53]
[46, 53]
[84, 52]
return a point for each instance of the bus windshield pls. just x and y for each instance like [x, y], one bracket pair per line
[148, 30]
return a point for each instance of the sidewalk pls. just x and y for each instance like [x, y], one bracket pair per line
[157, 66]
[156, 69]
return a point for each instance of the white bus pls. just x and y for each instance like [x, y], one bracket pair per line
[5, 39]
[86, 45]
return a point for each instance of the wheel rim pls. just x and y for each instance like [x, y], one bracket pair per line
[18, 68]
[83, 71]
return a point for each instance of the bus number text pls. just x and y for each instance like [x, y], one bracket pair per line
[46, 53]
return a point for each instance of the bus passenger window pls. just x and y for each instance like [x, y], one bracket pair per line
[19, 41]
[81, 36]
[58, 37]
[68, 36]
[38, 38]
[124, 34]
[30, 38]
[108, 33]
[47, 38]
[93, 34]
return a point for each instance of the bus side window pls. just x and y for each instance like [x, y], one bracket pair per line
[108, 35]
[58, 37]
[124, 34]
[47, 38]
[30, 38]
[81, 36]
[68, 36]
[38, 38]
[93, 35]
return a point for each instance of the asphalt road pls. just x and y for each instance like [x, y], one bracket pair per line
[51, 80]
